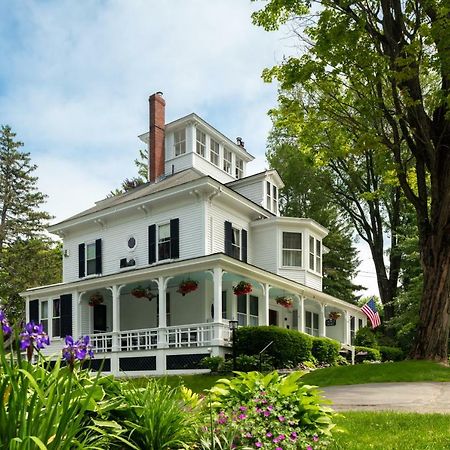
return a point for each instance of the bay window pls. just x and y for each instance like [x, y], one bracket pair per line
[292, 249]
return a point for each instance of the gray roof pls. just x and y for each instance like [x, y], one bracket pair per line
[168, 182]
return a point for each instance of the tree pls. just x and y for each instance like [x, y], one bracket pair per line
[26, 255]
[304, 195]
[386, 63]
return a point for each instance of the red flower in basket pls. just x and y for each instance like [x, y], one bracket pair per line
[242, 288]
[96, 299]
[187, 286]
[140, 292]
[287, 302]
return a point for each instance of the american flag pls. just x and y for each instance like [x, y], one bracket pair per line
[370, 310]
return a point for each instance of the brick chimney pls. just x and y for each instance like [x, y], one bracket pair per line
[156, 152]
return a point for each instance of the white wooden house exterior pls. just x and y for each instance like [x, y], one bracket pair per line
[201, 218]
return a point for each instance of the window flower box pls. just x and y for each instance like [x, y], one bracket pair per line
[287, 302]
[140, 292]
[96, 299]
[242, 288]
[334, 315]
[187, 286]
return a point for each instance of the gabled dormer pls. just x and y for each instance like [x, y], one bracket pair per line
[262, 188]
[190, 142]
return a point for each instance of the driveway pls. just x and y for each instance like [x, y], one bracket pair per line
[423, 397]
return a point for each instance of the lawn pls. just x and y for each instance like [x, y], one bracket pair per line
[388, 430]
[378, 373]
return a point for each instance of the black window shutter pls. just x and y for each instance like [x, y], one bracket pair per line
[98, 256]
[244, 246]
[228, 238]
[66, 315]
[175, 238]
[151, 244]
[81, 261]
[33, 310]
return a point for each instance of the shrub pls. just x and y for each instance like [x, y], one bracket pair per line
[365, 337]
[372, 354]
[289, 347]
[325, 350]
[391, 353]
[213, 363]
[254, 410]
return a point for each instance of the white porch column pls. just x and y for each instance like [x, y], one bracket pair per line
[347, 328]
[264, 318]
[162, 303]
[301, 313]
[322, 318]
[217, 281]
[115, 291]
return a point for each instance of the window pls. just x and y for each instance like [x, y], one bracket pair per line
[271, 197]
[312, 323]
[44, 315]
[236, 243]
[164, 241]
[254, 308]
[56, 322]
[227, 155]
[180, 142]
[131, 243]
[201, 142]
[292, 249]
[242, 309]
[214, 153]
[360, 323]
[274, 199]
[91, 255]
[224, 304]
[315, 254]
[239, 168]
[352, 329]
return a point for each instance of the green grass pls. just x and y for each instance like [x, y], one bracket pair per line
[378, 373]
[388, 430]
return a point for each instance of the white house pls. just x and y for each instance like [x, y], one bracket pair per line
[199, 218]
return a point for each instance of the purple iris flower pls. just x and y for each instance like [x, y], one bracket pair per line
[4, 324]
[33, 336]
[77, 350]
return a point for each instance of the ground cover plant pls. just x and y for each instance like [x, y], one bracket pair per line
[379, 373]
[390, 430]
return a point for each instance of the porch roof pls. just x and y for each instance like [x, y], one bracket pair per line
[203, 263]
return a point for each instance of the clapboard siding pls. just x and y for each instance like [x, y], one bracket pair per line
[253, 191]
[115, 236]
[265, 246]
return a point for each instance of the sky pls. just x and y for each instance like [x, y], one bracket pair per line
[75, 78]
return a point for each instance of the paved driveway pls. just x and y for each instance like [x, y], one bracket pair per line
[426, 397]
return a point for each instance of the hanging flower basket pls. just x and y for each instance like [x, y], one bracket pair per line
[334, 315]
[140, 292]
[187, 286]
[242, 288]
[287, 302]
[96, 299]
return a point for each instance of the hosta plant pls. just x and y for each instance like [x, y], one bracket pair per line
[269, 412]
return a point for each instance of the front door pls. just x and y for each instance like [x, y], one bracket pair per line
[273, 317]
[100, 319]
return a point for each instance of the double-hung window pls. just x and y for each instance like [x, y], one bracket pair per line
[254, 310]
[91, 257]
[315, 254]
[214, 152]
[44, 315]
[236, 243]
[292, 249]
[242, 309]
[180, 142]
[163, 241]
[352, 329]
[200, 142]
[239, 168]
[271, 197]
[56, 317]
[312, 323]
[227, 156]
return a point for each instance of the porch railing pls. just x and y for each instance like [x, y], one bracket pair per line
[196, 335]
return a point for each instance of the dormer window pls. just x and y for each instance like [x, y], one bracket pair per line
[214, 152]
[180, 142]
[315, 254]
[227, 155]
[271, 197]
[200, 142]
[239, 168]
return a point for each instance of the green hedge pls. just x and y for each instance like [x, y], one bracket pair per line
[391, 353]
[325, 350]
[289, 347]
[372, 354]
